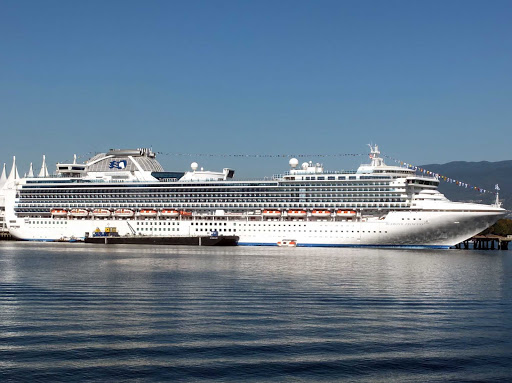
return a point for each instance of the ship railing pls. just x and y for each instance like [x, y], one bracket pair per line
[306, 172]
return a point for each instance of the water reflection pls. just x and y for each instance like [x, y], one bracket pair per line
[171, 313]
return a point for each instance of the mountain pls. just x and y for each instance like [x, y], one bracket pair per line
[482, 174]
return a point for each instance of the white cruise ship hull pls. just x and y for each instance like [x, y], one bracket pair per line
[397, 229]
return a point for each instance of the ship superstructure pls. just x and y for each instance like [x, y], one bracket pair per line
[376, 205]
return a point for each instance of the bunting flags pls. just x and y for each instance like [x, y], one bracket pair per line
[441, 177]
[402, 163]
[261, 155]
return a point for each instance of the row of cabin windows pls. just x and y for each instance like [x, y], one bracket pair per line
[37, 208]
[309, 193]
[266, 188]
[317, 231]
[377, 191]
[160, 223]
[51, 222]
[222, 193]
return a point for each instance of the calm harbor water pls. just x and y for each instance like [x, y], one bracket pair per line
[128, 313]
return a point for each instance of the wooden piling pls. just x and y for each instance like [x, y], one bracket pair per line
[486, 242]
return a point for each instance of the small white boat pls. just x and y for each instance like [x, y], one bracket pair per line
[78, 213]
[103, 213]
[124, 213]
[297, 213]
[59, 213]
[148, 213]
[287, 243]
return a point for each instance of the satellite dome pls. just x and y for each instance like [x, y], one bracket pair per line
[305, 165]
[293, 162]
[194, 166]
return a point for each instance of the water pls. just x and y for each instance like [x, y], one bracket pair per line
[127, 313]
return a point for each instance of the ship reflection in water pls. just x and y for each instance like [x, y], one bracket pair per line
[236, 314]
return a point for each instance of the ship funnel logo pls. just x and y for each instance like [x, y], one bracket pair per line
[117, 164]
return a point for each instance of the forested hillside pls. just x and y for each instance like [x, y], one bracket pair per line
[481, 174]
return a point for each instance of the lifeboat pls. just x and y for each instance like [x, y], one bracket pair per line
[148, 213]
[170, 213]
[297, 213]
[346, 213]
[101, 213]
[271, 213]
[185, 213]
[59, 213]
[321, 213]
[78, 213]
[124, 213]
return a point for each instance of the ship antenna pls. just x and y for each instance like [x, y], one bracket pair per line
[374, 155]
[497, 203]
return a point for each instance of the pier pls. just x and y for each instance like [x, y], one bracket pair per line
[486, 242]
[5, 236]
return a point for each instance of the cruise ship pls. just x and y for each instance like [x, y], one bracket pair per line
[376, 205]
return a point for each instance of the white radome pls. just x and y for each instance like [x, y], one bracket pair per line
[294, 162]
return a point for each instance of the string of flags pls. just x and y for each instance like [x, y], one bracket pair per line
[402, 163]
[239, 155]
[261, 155]
[444, 178]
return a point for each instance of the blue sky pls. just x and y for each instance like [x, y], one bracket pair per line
[429, 81]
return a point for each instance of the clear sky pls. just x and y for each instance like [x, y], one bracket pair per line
[429, 81]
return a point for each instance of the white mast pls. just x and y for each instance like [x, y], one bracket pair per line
[374, 155]
[44, 170]
[497, 203]
[30, 171]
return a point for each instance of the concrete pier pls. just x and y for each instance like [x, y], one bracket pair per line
[486, 242]
[5, 236]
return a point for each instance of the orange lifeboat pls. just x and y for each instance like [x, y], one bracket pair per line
[271, 213]
[79, 213]
[101, 213]
[148, 213]
[321, 213]
[124, 213]
[59, 213]
[170, 213]
[185, 213]
[346, 213]
[297, 213]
